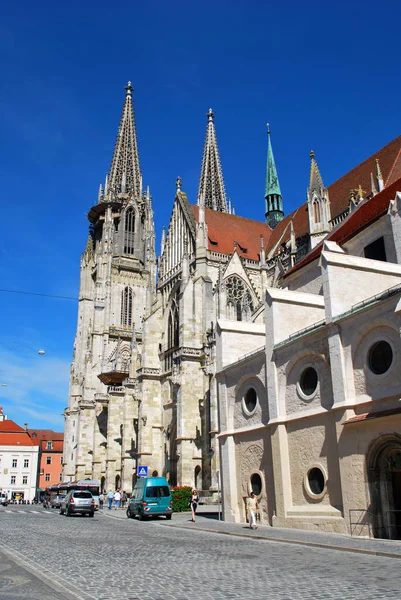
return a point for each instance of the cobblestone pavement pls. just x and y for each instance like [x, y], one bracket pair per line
[116, 558]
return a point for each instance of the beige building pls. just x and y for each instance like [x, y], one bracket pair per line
[311, 418]
[144, 387]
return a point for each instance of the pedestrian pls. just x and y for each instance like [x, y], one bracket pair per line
[117, 499]
[193, 502]
[101, 500]
[124, 499]
[252, 506]
[110, 498]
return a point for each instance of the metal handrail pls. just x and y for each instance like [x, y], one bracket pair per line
[361, 520]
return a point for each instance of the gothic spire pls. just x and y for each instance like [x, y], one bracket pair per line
[125, 175]
[211, 184]
[315, 179]
[274, 201]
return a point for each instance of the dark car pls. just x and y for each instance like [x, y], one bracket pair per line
[78, 502]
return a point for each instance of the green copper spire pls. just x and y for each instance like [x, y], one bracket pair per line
[274, 202]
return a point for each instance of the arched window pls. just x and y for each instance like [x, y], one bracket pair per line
[316, 211]
[129, 231]
[173, 333]
[239, 300]
[126, 307]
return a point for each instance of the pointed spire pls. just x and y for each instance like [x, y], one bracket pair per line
[379, 176]
[124, 170]
[372, 185]
[274, 201]
[315, 179]
[211, 184]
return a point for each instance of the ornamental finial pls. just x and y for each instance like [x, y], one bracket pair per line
[129, 89]
[268, 127]
[312, 154]
[178, 183]
[210, 115]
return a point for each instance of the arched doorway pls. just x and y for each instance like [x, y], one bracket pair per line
[384, 472]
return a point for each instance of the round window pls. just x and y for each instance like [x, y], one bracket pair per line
[250, 400]
[256, 484]
[308, 381]
[316, 481]
[380, 357]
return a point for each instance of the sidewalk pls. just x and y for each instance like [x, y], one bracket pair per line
[207, 520]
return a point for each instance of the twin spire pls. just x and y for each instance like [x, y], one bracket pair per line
[125, 175]
[212, 193]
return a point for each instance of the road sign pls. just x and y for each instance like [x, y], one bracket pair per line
[143, 471]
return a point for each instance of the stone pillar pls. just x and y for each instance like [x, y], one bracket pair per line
[114, 435]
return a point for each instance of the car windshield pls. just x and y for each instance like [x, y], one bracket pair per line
[157, 491]
[82, 495]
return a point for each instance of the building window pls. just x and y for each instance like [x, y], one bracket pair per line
[239, 300]
[48, 460]
[26, 463]
[250, 400]
[308, 381]
[14, 464]
[376, 250]
[173, 334]
[47, 477]
[380, 357]
[61, 460]
[316, 481]
[316, 211]
[12, 482]
[256, 484]
[49, 446]
[24, 479]
[61, 477]
[129, 231]
[126, 307]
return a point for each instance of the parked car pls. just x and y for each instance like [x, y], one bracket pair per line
[3, 499]
[151, 497]
[78, 501]
[56, 499]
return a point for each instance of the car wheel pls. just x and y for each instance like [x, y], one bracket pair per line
[129, 513]
[142, 517]
[61, 511]
[92, 514]
[168, 517]
[67, 512]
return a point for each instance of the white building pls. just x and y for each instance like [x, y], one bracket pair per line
[18, 461]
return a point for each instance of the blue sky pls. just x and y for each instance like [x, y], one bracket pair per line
[325, 75]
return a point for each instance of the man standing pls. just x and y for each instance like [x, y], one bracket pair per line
[252, 507]
[117, 499]
[110, 498]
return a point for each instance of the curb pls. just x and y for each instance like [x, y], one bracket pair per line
[380, 553]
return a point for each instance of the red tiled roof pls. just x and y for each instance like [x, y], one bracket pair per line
[46, 434]
[225, 229]
[8, 426]
[339, 192]
[365, 213]
[16, 439]
[57, 446]
[373, 415]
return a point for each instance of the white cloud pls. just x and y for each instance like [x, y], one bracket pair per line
[36, 387]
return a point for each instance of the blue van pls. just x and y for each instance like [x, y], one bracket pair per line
[151, 497]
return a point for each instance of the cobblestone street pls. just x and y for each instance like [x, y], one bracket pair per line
[109, 558]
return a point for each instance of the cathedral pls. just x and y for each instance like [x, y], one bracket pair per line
[223, 361]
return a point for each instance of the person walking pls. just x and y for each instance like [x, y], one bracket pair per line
[101, 500]
[117, 499]
[252, 506]
[124, 499]
[110, 498]
[193, 502]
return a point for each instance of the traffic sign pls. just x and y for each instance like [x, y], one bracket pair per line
[143, 471]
